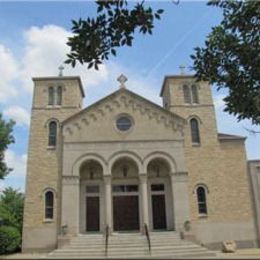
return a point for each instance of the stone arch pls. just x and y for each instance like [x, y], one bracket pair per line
[163, 156]
[87, 157]
[195, 117]
[125, 154]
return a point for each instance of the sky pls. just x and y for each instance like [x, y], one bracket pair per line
[33, 39]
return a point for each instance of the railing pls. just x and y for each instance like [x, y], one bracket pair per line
[146, 230]
[106, 239]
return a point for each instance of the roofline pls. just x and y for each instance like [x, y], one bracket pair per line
[254, 161]
[114, 93]
[175, 76]
[231, 137]
[62, 78]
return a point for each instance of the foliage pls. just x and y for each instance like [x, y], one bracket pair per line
[231, 57]
[6, 138]
[11, 208]
[11, 216]
[10, 239]
[96, 39]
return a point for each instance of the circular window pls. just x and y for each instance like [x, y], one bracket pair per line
[123, 123]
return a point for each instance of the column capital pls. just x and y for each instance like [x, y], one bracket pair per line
[107, 179]
[179, 176]
[70, 180]
[143, 177]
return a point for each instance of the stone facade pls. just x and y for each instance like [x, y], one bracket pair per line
[157, 149]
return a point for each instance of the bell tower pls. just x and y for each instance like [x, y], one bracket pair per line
[191, 99]
[54, 100]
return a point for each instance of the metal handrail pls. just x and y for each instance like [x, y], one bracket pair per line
[106, 240]
[147, 236]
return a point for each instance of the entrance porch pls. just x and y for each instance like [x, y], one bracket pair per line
[127, 199]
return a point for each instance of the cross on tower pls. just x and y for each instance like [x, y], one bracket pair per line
[182, 68]
[122, 79]
[61, 68]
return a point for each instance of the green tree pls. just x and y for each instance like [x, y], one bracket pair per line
[11, 208]
[6, 138]
[231, 58]
[11, 217]
[95, 39]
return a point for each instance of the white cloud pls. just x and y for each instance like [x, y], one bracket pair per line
[18, 114]
[219, 102]
[16, 162]
[8, 72]
[46, 50]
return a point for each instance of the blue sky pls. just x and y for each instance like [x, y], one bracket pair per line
[32, 43]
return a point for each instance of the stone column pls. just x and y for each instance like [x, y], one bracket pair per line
[180, 195]
[108, 201]
[144, 195]
[70, 204]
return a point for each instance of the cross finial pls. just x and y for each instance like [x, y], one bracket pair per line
[182, 68]
[122, 79]
[61, 68]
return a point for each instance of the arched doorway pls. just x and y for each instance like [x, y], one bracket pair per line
[91, 197]
[125, 195]
[160, 204]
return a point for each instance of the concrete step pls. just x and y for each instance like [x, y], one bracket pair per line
[131, 246]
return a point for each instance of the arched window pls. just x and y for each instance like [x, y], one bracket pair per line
[194, 92]
[186, 94]
[195, 135]
[202, 201]
[49, 202]
[51, 96]
[59, 96]
[52, 133]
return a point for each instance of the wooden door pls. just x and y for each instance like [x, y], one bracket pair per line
[159, 213]
[126, 213]
[92, 214]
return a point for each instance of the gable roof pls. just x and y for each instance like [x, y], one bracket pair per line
[113, 95]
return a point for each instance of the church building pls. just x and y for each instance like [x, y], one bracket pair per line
[127, 165]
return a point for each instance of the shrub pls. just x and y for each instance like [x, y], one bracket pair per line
[10, 239]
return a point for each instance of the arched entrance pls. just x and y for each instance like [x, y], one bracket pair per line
[91, 197]
[125, 195]
[160, 204]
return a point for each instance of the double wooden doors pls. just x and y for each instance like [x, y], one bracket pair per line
[126, 213]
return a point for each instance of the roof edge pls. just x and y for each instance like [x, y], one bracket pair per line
[223, 136]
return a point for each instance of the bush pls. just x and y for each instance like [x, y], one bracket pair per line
[10, 239]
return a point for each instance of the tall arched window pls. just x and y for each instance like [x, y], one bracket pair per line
[195, 135]
[186, 94]
[202, 201]
[52, 133]
[59, 96]
[49, 202]
[51, 96]
[194, 92]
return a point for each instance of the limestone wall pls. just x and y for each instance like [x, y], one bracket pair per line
[44, 164]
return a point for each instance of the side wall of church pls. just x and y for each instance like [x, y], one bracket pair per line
[218, 165]
[43, 167]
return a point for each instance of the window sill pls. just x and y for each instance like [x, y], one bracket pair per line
[48, 220]
[51, 147]
[203, 216]
[195, 144]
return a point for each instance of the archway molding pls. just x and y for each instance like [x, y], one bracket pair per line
[89, 157]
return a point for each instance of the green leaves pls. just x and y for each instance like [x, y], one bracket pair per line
[11, 215]
[231, 57]
[6, 138]
[95, 39]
